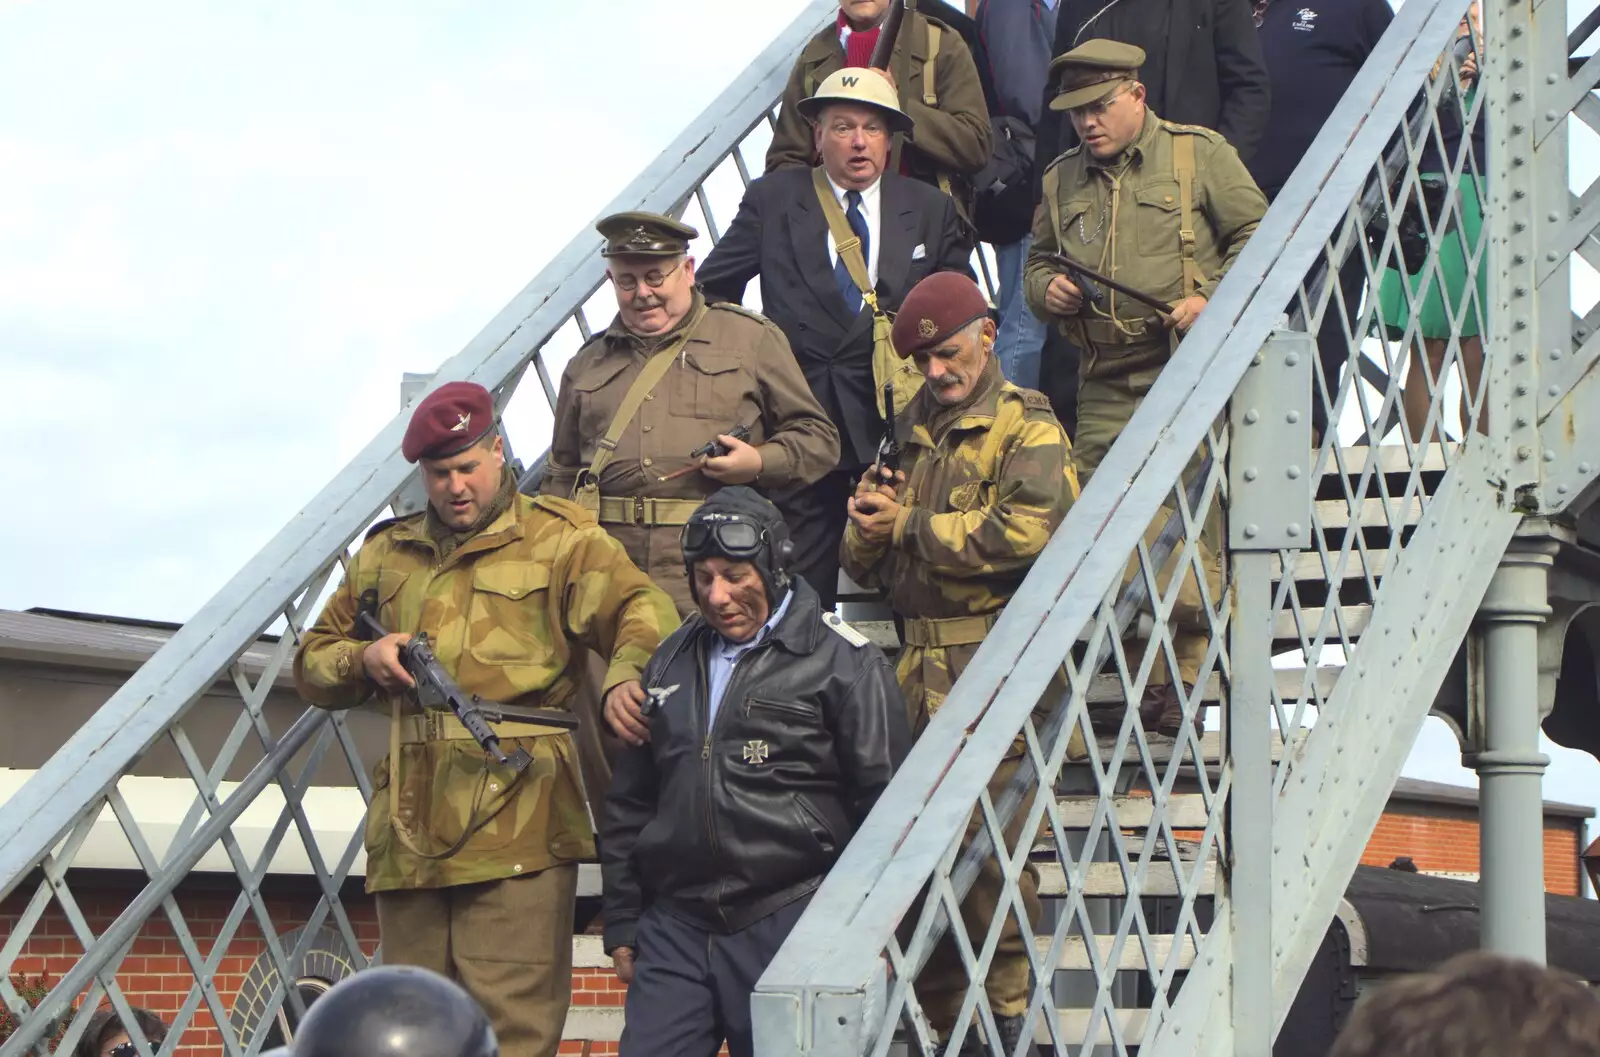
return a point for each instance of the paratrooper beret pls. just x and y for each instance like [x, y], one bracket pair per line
[449, 420]
[936, 308]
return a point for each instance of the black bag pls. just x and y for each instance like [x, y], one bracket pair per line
[1004, 188]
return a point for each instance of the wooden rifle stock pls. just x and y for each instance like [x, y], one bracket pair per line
[888, 33]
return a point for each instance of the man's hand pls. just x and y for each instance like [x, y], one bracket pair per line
[1185, 312]
[874, 515]
[624, 711]
[877, 481]
[381, 660]
[1063, 297]
[1469, 69]
[622, 964]
[741, 465]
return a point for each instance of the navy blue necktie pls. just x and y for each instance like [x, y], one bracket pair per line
[841, 274]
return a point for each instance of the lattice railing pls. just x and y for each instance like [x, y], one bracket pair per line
[1168, 890]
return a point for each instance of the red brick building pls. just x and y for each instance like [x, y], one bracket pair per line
[57, 670]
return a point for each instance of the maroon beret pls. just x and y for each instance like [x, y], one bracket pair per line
[449, 420]
[936, 308]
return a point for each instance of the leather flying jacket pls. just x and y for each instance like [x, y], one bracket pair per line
[724, 826]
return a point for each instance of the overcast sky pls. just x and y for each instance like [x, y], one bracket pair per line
[227, 229]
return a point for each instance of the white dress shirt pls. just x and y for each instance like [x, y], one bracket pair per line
[873, 215]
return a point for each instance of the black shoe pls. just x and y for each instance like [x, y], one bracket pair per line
[1011, 1034]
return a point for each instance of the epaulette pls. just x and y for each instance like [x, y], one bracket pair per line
[1034, 400]
[845, 631]
[565, 509]
[1193, 130]
[1070, 152]
[748, 313]
[388, 522]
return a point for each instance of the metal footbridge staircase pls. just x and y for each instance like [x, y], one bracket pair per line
[1412, 556]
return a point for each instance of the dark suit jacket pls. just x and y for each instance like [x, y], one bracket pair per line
[1210, 72]
[781, 235]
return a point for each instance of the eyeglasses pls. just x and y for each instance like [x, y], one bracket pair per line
[734, 537]
[1098, 108]
[654, 280]
[124, 1049]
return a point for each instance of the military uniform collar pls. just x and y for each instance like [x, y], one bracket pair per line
[617, 336]
[1134, 151]
[977, 413]
[500, 531]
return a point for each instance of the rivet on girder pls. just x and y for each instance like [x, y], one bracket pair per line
[1549, 115]
[1524, 453]
[1516, 31]
[1519, 291]
[1549, 456]
[1517, 94]
[1251, 532]
[1522, 389]
[1519, 227]
[1520, 356]
[1555, 218]
[1555, 354]
[1294, 473]
[1293, 530]
[1561, 489]
[1550, 255]
[1583, 467]
[1522, 423]
[1292, 417]
[1517, 130]
[1554, 391]
[1250, 474]
[1519, 259]
[1549, 78]
[1521, 324]
[1252, 416]
[1516, 161]
[1291, 359]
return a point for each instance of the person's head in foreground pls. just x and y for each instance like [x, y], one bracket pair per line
[737, 550]
[944, 326]
[106, 1036]
[1476, 1005]
[395, 1011]
[1097, 84]
[854, 115]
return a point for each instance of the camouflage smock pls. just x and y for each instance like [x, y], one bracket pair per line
[502, 613]
[986, 486]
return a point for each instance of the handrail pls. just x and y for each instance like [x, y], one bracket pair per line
[201, 651]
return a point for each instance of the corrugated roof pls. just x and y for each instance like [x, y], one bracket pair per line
[95, 641]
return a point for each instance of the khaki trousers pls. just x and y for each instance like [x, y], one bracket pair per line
[509, 943]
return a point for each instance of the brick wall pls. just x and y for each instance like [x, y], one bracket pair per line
[1436, 842]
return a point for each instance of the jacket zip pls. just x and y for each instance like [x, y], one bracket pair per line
[705, 751]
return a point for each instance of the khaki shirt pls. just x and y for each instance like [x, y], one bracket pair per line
[503, 614]
[736, 368]
[952, 137]
[1122, 218]
[986, 486]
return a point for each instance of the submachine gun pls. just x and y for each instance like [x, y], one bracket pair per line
[435, 689]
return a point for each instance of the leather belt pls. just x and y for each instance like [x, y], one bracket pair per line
[935, 632]
[439, 725]
[641, 510]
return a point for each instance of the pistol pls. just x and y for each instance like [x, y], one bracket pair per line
[715, 449]
[889, 446]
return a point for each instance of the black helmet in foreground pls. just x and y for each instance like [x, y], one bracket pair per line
[740, 524]
[395, 1011]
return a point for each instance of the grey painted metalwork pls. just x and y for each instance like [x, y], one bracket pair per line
[1511, 767]
[1315, 642]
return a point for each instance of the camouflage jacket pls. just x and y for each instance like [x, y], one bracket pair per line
[986, 485]
[502, 613]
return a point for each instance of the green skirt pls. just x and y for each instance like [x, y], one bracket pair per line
[1457, 246]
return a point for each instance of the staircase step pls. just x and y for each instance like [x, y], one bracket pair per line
[1075, 951]
[1161, 747]
[1184, 811]
[1107, 688]
[1307, 565]
[1392, 459]
[1354, 618]
[1369, 513]
[1075, 1023]
[1105, 880]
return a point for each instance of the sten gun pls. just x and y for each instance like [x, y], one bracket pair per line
[1089, 282]
[711, 449]
[889, 446]
[435, 688]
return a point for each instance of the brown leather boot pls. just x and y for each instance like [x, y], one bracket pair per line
[1161, 710]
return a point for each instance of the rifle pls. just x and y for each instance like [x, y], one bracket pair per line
[711, 449]
[435, 687]
[889, 446]
[1086, 280]
[888, 33]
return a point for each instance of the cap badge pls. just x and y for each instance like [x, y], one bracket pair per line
[927, 328]
[462, 422]
[755, 752]
[640, 236]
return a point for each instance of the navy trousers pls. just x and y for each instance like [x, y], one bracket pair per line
[691, 987]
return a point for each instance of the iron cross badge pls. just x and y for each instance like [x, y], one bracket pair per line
[755, 751]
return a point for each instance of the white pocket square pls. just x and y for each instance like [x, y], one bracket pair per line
[920, 252]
